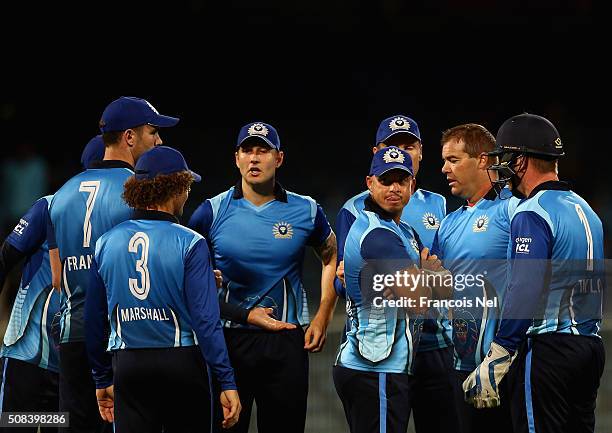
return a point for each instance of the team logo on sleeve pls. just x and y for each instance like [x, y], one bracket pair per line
[430, 221]
[399, 123]
[258, 129]
[282, 230]
[522, 245]
[19, 228]
[393, 155]
[481, 224]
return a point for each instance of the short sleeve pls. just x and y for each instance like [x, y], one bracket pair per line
[321, 229]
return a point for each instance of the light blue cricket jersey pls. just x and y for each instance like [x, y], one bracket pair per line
[152, 278]
[473, 240]
[144, 289]
[380, 338]
[30, 332]
[87, 206]
[556, 255]
[260, 249]
[423, 212]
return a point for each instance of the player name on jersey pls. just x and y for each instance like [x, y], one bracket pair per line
[77, 263]
[142, 313]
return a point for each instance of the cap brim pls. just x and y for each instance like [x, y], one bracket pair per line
[260, 137]
[196, 176]
[401, 131]
[395, 167]
[162, 121]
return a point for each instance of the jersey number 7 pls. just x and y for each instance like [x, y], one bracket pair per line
[91, 187]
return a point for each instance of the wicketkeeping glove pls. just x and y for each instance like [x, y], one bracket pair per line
[481, 388]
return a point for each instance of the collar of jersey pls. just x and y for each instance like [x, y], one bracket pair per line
[279, 192]
[556, 185]
[111, 163]
[144, 214]
[372, 206]
[491, 195]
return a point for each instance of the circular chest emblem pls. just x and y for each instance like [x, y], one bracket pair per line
[282, 230]
[481, 224]
[430, 221]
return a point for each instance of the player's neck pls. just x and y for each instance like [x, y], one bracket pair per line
[168, 207]
[482, 191]
[116, 153]
[531, 181]
[258, 194]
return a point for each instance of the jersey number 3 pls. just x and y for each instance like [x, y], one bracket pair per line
[140, 239]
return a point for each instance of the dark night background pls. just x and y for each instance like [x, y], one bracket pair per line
[324, 73]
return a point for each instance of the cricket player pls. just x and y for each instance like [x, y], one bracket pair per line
[29, 373]
[472, 242]
[84, 208]
[259, 232]
[373, 368]
[153, 278]
[423, 212]
[552, 308]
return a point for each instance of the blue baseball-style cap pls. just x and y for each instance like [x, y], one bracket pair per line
[93, 151]
[129, 112]
[390, 158]
[260, 130]
[398, 124]
[162, 160]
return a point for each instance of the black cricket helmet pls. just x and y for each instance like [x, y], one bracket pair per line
[524, 134]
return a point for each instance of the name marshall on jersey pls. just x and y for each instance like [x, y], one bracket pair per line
[142, 313]
[77, 263]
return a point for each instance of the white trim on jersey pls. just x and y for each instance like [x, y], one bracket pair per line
[483, 324]
[44, 357]
[68, 305]
[177, 330]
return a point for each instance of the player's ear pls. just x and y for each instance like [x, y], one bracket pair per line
[483, 161]
[280, 157]
[369, 182]
[236, 155]
[130, 137]
[374, 149]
